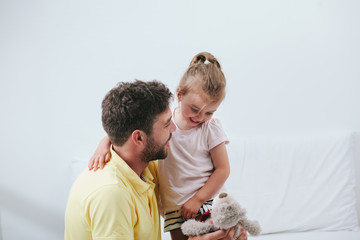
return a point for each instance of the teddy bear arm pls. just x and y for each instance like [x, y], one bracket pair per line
[237, 230]
[253, 227]
[195, 228]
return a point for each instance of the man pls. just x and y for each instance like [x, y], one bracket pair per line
[120, 201]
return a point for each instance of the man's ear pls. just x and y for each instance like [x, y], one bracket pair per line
[138, 137]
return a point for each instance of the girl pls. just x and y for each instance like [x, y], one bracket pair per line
[197, 164]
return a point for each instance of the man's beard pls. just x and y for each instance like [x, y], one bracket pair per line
[154, 151]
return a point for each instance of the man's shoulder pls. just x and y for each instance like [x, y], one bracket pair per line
[116, 192]
[101, 194]
[107, 180]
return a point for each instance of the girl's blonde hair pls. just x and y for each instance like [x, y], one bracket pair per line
[206, 70]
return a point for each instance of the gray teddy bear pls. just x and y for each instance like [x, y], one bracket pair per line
[226, 213]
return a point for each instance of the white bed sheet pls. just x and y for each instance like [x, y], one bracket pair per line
[295, 183]
[338, 235]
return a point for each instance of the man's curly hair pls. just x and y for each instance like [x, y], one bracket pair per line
[133, 106]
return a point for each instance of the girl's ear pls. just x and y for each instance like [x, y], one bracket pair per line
[138, 137]
[179, 94]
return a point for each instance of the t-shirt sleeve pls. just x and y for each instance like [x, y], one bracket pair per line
[216, 134]
[110, 214]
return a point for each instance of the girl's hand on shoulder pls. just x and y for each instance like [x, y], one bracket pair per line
[191, 208]
[101, 155]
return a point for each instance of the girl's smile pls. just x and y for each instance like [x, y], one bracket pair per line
[195, 122]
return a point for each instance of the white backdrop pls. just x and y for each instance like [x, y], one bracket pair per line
[291, 66]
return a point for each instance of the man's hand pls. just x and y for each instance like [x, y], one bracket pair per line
[243, 235]
[221, 234]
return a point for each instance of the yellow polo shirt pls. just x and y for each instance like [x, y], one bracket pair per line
[114, 203]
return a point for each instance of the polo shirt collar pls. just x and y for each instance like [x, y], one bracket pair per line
[140, 185]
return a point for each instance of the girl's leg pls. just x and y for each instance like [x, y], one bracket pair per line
[177, 235]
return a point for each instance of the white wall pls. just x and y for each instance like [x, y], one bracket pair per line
[291, 66]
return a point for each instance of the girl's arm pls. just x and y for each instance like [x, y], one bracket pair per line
[217, 179]
[101, 155]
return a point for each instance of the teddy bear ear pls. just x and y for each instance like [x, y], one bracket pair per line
[223, 195]
[219, 198]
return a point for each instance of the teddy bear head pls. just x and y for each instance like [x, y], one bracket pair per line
[226, 212]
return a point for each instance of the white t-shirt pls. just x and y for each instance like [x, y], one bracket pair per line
[188, 165]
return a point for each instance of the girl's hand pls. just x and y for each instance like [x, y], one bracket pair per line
[101, 155]
[191, 208]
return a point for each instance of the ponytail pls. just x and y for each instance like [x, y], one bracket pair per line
[205, 69]
[203, 57]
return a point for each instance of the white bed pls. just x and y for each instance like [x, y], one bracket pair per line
[311, 235]
[299, 187]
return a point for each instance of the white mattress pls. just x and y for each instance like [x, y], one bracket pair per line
[338, 235]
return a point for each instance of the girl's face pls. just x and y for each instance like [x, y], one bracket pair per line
[194, 109]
